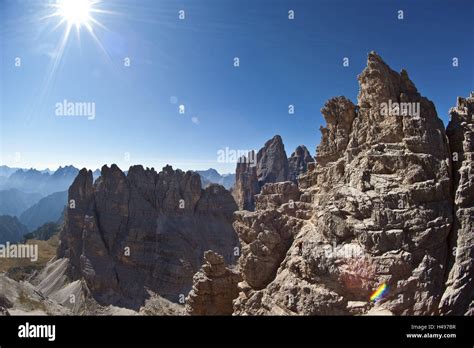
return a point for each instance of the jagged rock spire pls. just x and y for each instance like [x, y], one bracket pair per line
[298, 162]
[252, 173]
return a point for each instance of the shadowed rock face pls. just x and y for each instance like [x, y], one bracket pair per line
[376, 208]
[298, 162]
[147, 230]
[270, 165]
[458, 299]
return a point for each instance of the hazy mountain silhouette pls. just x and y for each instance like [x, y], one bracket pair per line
[6, 171]
[48, 209]
[14, 202]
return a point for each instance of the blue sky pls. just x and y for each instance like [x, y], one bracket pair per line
[190, 62]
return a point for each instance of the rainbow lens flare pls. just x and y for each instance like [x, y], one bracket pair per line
[378, 294]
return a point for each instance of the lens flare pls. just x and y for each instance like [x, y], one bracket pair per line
[379, 293]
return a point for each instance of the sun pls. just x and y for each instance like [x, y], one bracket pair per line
[75, 12]
[81, 15]
[78, 14]
[70, 14]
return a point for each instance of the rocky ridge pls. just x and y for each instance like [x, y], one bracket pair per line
[376, 208]
[126, 234]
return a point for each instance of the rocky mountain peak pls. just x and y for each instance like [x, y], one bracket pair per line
[272, 162]
[379, 83]
[271, 165]
[298, 162]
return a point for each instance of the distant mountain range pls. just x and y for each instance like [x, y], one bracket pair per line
[46, 182]
[212, 176]
[35, 197]
[43, 182]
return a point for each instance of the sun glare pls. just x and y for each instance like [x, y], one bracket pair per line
[78, 14]
[75, 12]
[70, 14]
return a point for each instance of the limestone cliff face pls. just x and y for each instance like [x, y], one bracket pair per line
[214, 288]
[267, 233]
[339, 114]
[458, 299]
[375, 209]
[246, 182]
[146, 230]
